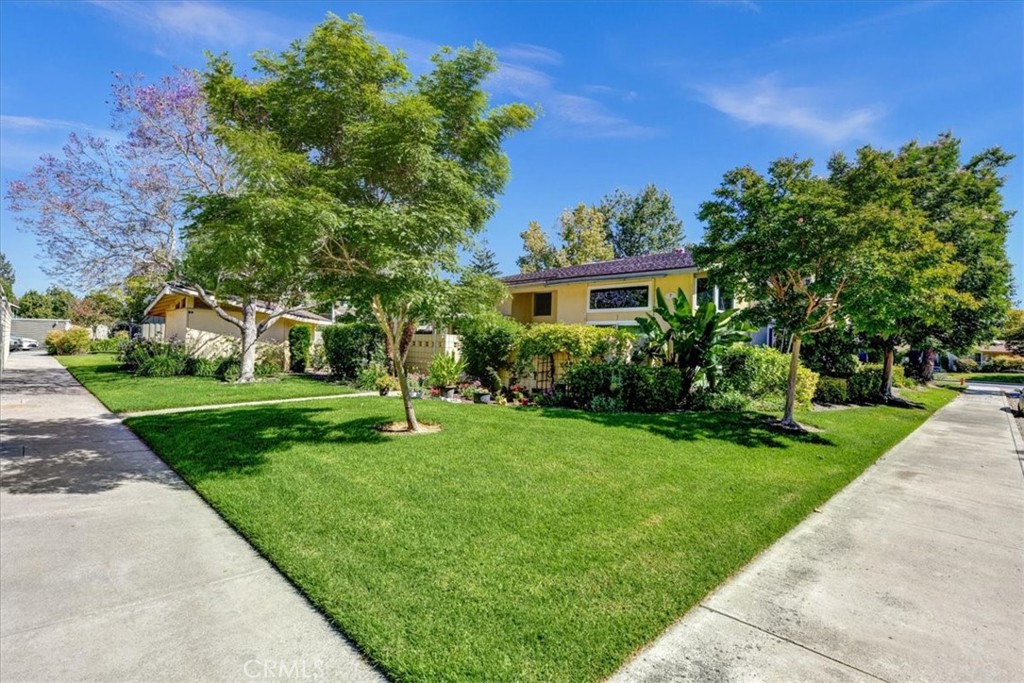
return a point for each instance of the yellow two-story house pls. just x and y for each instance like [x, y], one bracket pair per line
[612, 292]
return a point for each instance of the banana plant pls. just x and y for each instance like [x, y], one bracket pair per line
[690, 339]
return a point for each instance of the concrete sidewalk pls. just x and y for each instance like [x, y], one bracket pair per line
[112, 569]
[915, 572]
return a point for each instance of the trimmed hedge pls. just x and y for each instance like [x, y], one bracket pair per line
[300, 338]
[489, 344]
[638, 388]
[865, 384]
[349, 347]
[966, 365]
[832, 390]
[1005, 364]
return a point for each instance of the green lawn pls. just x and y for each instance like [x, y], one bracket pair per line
[1001, 377]
[516, 544]
[122, 392]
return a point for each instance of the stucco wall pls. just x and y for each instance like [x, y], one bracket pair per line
[5, 331]
[570, 300]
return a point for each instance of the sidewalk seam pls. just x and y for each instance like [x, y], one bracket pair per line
[794, 642]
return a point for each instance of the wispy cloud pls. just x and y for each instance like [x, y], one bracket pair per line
[531, 54]
[212, 24]
[852, 29]
[568, 113]
[747, 5]
[609, 91]
[764, 102]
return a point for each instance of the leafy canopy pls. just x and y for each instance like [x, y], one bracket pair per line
[641, 223]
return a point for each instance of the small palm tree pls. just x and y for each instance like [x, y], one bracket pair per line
[690, 339]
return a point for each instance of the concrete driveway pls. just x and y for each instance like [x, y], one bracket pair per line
[915, 572]
[112, 569]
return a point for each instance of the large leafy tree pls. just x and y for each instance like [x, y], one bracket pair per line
[55, 302]
[641, 223]
[963, 206]
[906, 276]
[105, 209]
[538, 252]
[784, 242]
[395, 174]
[582, 238]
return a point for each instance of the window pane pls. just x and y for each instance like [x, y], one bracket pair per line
[725, 297]
[542, 303]
[619, 297]
[705, 292]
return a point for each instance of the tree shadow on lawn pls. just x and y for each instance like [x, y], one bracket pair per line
[747, 429]
[202, 444]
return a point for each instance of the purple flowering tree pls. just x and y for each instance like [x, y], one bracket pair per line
[105, 209]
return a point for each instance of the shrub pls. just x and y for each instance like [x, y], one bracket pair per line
[135, 354]
[318, 357]
[719, 401]
[606, 404]
[760, 371]
[445, 370]
[272, 357]
[266, 368]
[966, 365]
[300, 338]
[67, 342]
[164, 365]
[489, 345]
[586, 379]
[832, 352]
[646, 389]
[201, 367]
[369, 376]
[832, 390]
[579, 342]
[350, 346]
[109, 345]
[638, 388]
[1005, 364]
[866, 383]
[229, 368]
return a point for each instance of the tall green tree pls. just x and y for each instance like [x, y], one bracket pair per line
[641, 223]
[784, 242]
[582, 238]
[538, 252]
[394, 173]
[906, 275]
[55, 302]
[484, 262]
[6, 277]
[964, 207]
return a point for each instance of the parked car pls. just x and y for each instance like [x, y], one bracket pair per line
[22, 344]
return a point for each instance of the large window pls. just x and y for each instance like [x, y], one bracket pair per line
[542, 303]
[620, 298]
[722, 296]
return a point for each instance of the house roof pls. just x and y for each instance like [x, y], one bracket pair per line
[679, 259]
[177, 289]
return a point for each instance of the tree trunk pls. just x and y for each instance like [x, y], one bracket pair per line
[403, 382]
[794, 365]
[886, 388]
[247, 372]
[928, 358]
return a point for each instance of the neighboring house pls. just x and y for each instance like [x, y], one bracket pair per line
[188, 319]
[990, 352]
[612, 292]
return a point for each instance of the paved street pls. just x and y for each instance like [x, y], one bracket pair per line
[112, 569]
[915, 572]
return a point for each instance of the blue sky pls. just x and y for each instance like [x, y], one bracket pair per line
[670, 93]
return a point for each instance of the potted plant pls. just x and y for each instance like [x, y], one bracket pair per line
[386, 384]
[445, 371]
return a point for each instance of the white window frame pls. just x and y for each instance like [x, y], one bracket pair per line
[612, 323]
[715, 293]
[650, 297]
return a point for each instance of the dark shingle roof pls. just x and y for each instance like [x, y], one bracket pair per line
[632, 265]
